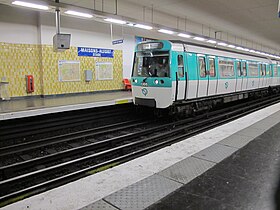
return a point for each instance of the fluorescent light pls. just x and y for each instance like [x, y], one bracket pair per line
[115, 21]
[212, 41]
[184, 35]
[166, 31]
[231, 46]
[143, 26]
[130, 24]
[240, 48]
[199, 38]
[79, 14]
[222, 44]
[252, 51]
[246, 49]
[30, 5]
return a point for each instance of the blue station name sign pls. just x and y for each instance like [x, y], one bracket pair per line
[95, 52]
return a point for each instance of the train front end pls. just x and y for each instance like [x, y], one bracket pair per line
[151, 80]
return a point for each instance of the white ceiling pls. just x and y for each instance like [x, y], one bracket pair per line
[255, 20]
[242, 18]
[234, 16]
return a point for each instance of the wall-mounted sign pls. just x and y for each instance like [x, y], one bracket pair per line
[119, 41]
[139, 39]
[95, 52]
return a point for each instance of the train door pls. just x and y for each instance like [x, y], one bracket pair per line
[275, 75]
[278, 77]
[212, 75]
[181, 82]
[203, 76]
[266, 74]
[239, 77]
[192, 75]
[244, 75]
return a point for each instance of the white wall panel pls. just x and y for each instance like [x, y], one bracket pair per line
[18, 26]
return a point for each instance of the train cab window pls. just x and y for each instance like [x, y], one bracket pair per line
[212, 71]
[239, 69]
[151, 64]
[226, 68]
[181, 66]
[275, 72]
[253, 70]
[202, 67]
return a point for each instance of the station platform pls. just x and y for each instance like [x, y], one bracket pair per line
[28, 107]
[233, 166]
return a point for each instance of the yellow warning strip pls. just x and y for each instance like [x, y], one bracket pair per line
[124, 101]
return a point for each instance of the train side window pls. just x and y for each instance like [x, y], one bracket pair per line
[275, 72]
[180, 66]
[226, 68]
[253, 70]
[212, 70]
[262, 70]
[239, 69]
[267, 70]
[270, 70]
[244, 69]
[202, 67]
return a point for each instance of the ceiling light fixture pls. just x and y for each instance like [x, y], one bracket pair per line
[212, 41]
[30, 5]
[111, 20]
[231, 46]
[166, 31]
[222, 44]
[199, 38]
[143, 26]
[239, 48]
[184, 35]
[79, 14]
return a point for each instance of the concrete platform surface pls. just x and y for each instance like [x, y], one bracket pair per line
[37, 106]
[248, 179]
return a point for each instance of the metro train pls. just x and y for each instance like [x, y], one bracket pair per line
[178, 74]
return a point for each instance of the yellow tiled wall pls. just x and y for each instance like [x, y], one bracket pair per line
[18, 60]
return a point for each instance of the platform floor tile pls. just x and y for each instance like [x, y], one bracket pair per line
[236, 140]
[143, 193]
[266, 123]
[251, 132]
[99, 205]
[215, 153]
[186, 170]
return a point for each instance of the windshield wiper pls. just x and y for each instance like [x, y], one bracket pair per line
[144, 80]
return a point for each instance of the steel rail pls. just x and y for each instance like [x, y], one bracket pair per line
[13, 149]
[55, 124]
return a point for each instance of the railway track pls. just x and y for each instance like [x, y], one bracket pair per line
[103, 148]
[13, 130]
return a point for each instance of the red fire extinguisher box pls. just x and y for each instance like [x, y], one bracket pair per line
[29, 83]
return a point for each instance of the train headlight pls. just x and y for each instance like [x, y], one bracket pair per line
[135, 80]
[156, 81]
